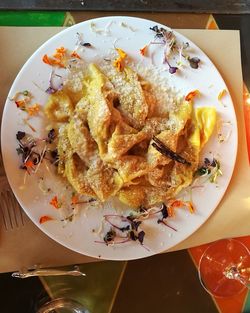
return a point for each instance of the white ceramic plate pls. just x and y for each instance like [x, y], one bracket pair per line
[129, 34]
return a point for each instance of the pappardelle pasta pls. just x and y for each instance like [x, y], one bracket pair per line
[112, 141]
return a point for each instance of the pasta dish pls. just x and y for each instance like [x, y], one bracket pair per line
[112, 140]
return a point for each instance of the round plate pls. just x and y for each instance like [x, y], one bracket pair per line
[130, 34]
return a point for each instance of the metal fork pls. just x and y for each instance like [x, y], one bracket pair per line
[25, 273]
[11, 213]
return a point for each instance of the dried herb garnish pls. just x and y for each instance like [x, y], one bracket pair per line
[142, 209]
[141, 236]
[165, 214]
[26, 144]
[131, 230]
[20, 135]
[53, 89]
[125, 228]
[31, 151]
[135, 224]
[161, 221]
[51, 135]
[159, 146]
[68, 218]
[54, 155]
[161, 32]
[50, 90]
[168, 38]
[35, 157]
[24, 152]
[110, 236]
[209, 168]
[164, 211]
[171, 69]
[132, 235]
[201, 171]
[194, 62]
[80, 41]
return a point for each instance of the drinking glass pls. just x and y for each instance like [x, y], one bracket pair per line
[224, 268]
[62, 305]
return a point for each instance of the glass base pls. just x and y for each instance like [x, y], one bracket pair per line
[62, 305]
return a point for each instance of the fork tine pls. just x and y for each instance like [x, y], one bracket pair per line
[21, 213]
[3, 215]
[6, 212]
[11, 212]
[12, 203]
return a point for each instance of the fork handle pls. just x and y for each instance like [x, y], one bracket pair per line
[47, 272]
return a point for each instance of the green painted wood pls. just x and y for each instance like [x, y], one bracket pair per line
[31, 18]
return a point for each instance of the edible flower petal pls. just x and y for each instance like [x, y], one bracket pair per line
[33, 110]
[118, 62]
[58, 58]
[121, 53]
[74, 199]
[54, 201]
[192, 94]
[46, 59]
[222, 94]
[190, 206]
[28, 164]
[143, 50]
[179, 204]
[74, 54]
[20, 104]
[45, 218]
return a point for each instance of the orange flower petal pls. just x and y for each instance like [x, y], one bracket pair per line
[46, 59]
[192, 94]
[190, 207]
[74, 199]
[28, 163]
[170, 211]
[143, 50]
[61, 50]
[118, 64]
[55, 203]
[20, 103]
[222, 94]
[58, 58]
[74, 54]
[121, 53]
[45, 218]
[33, 110]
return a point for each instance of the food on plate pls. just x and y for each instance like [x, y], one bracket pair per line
[112, 142]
